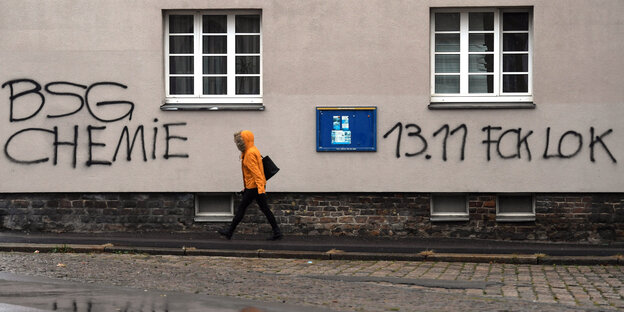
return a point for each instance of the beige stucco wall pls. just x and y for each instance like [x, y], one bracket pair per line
[315, 53]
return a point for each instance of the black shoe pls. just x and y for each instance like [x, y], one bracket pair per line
[275, 236]
[225, 233]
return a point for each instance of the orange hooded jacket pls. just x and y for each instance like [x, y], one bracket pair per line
[253, 171]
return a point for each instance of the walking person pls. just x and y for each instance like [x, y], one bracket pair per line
[254, 182]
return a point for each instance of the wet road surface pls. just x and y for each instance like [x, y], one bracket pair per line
[198, 282]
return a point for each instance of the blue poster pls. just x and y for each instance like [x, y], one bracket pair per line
[346, 129]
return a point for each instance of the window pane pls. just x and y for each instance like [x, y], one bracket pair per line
[515, 62]
[214, 23]
[447, 63]
[449, 204]
[248, 23]
[515, 83]
[447, 84]
[481, 63]
[447, 43]
[181, 44]
[516, 21]
[481, 84]
[447, 22]
[180, 64]
[181, 85]
[247, 64]
[515, 42]
[248, 44]
[481, 21]
[247, 85]
[214, 65]
[180, 24]
[212, 204]
[215, 44]
[481, 43]
[515, 204]
[215, 85]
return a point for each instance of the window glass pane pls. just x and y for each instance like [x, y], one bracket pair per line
[180, 64]
[248, 44]
[212, 204]
[247, 64]
[248, 23]
[215, 44]
[481, 84]
[481, 63]
[214, 65]
[181, 85]
[447, 22]
[447, 84]
[215, 85]
[247, 85]
[180, 24]
[515, 42]
[481, 21]
[447, 63]
[214, 23]
[181, 44]
[447, 43]
[515, 62]
[481, 42]
[516, 21]
[515, 83]
[449, 204]
[515, 204]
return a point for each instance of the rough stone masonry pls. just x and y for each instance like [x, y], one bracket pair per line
[592, 218]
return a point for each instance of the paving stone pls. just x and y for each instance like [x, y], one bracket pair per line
[277, 279]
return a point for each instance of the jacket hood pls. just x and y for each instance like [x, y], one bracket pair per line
[248, 138]
[244, 140]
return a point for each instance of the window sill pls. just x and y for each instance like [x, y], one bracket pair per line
[481, 102]
[468, 105]
[446, 218]
[213, 104]
[221, 218]
[515, 218]
[212, 107]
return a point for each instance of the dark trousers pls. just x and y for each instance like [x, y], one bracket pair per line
[248, 196]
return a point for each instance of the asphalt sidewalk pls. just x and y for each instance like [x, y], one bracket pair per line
[319, 247]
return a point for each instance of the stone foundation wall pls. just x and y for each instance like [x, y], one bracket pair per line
[594, 218]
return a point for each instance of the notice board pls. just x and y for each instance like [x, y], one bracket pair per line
[346, 129]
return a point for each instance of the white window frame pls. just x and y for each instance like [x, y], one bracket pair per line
[497, 96]
[214, 217]
[449, 216]
[515, 217]
[198, 100]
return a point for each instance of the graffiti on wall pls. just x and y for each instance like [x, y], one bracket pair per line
[499, 142]
[27, 101]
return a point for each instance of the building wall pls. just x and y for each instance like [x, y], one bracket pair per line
[315, 53]
[593, 218]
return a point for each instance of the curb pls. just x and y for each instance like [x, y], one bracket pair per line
[318, 255]
[583, 260]
[484, 258]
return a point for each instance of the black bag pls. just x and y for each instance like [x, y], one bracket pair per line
[270, 169]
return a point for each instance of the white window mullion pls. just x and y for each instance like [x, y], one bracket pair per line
[530, 56]
[197, 58]
[498, 59]
[432, 53]
[463, 50]
[261, 58]
[167, 74]
[231, 52]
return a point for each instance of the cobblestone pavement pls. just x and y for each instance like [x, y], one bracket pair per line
[345, 285]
